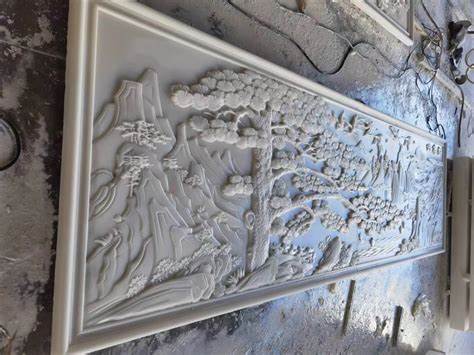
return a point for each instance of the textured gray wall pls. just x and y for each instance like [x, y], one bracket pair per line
[32, 42]
[32, 63]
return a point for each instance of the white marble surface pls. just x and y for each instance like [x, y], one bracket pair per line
[32, 54]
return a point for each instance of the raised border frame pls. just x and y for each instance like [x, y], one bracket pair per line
[68, 333]
[404, 35]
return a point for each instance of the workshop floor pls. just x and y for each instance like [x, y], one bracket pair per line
[32, 66]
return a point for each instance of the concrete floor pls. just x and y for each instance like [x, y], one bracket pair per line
[32, 63]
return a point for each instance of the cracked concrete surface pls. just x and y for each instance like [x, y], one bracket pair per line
[32, 51]
[32, 39]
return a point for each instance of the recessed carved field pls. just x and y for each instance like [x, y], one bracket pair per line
[248, 183]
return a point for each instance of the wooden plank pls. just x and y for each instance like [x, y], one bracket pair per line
[396, 325]
[348, 309]
[471, 259]
[459, 302]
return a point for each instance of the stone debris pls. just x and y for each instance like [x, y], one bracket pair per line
[381, 325]
[421, 306]
[332, 287]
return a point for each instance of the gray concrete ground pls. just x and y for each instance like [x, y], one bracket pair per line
[32, 63]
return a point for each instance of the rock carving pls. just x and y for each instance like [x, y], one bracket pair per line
[236, 185]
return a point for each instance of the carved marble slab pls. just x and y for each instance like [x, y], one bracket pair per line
[199, 179]
[395, 16]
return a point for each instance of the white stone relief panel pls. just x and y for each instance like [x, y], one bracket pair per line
[398, 10]
[396, 16]
[256, 183]
[198, 179]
